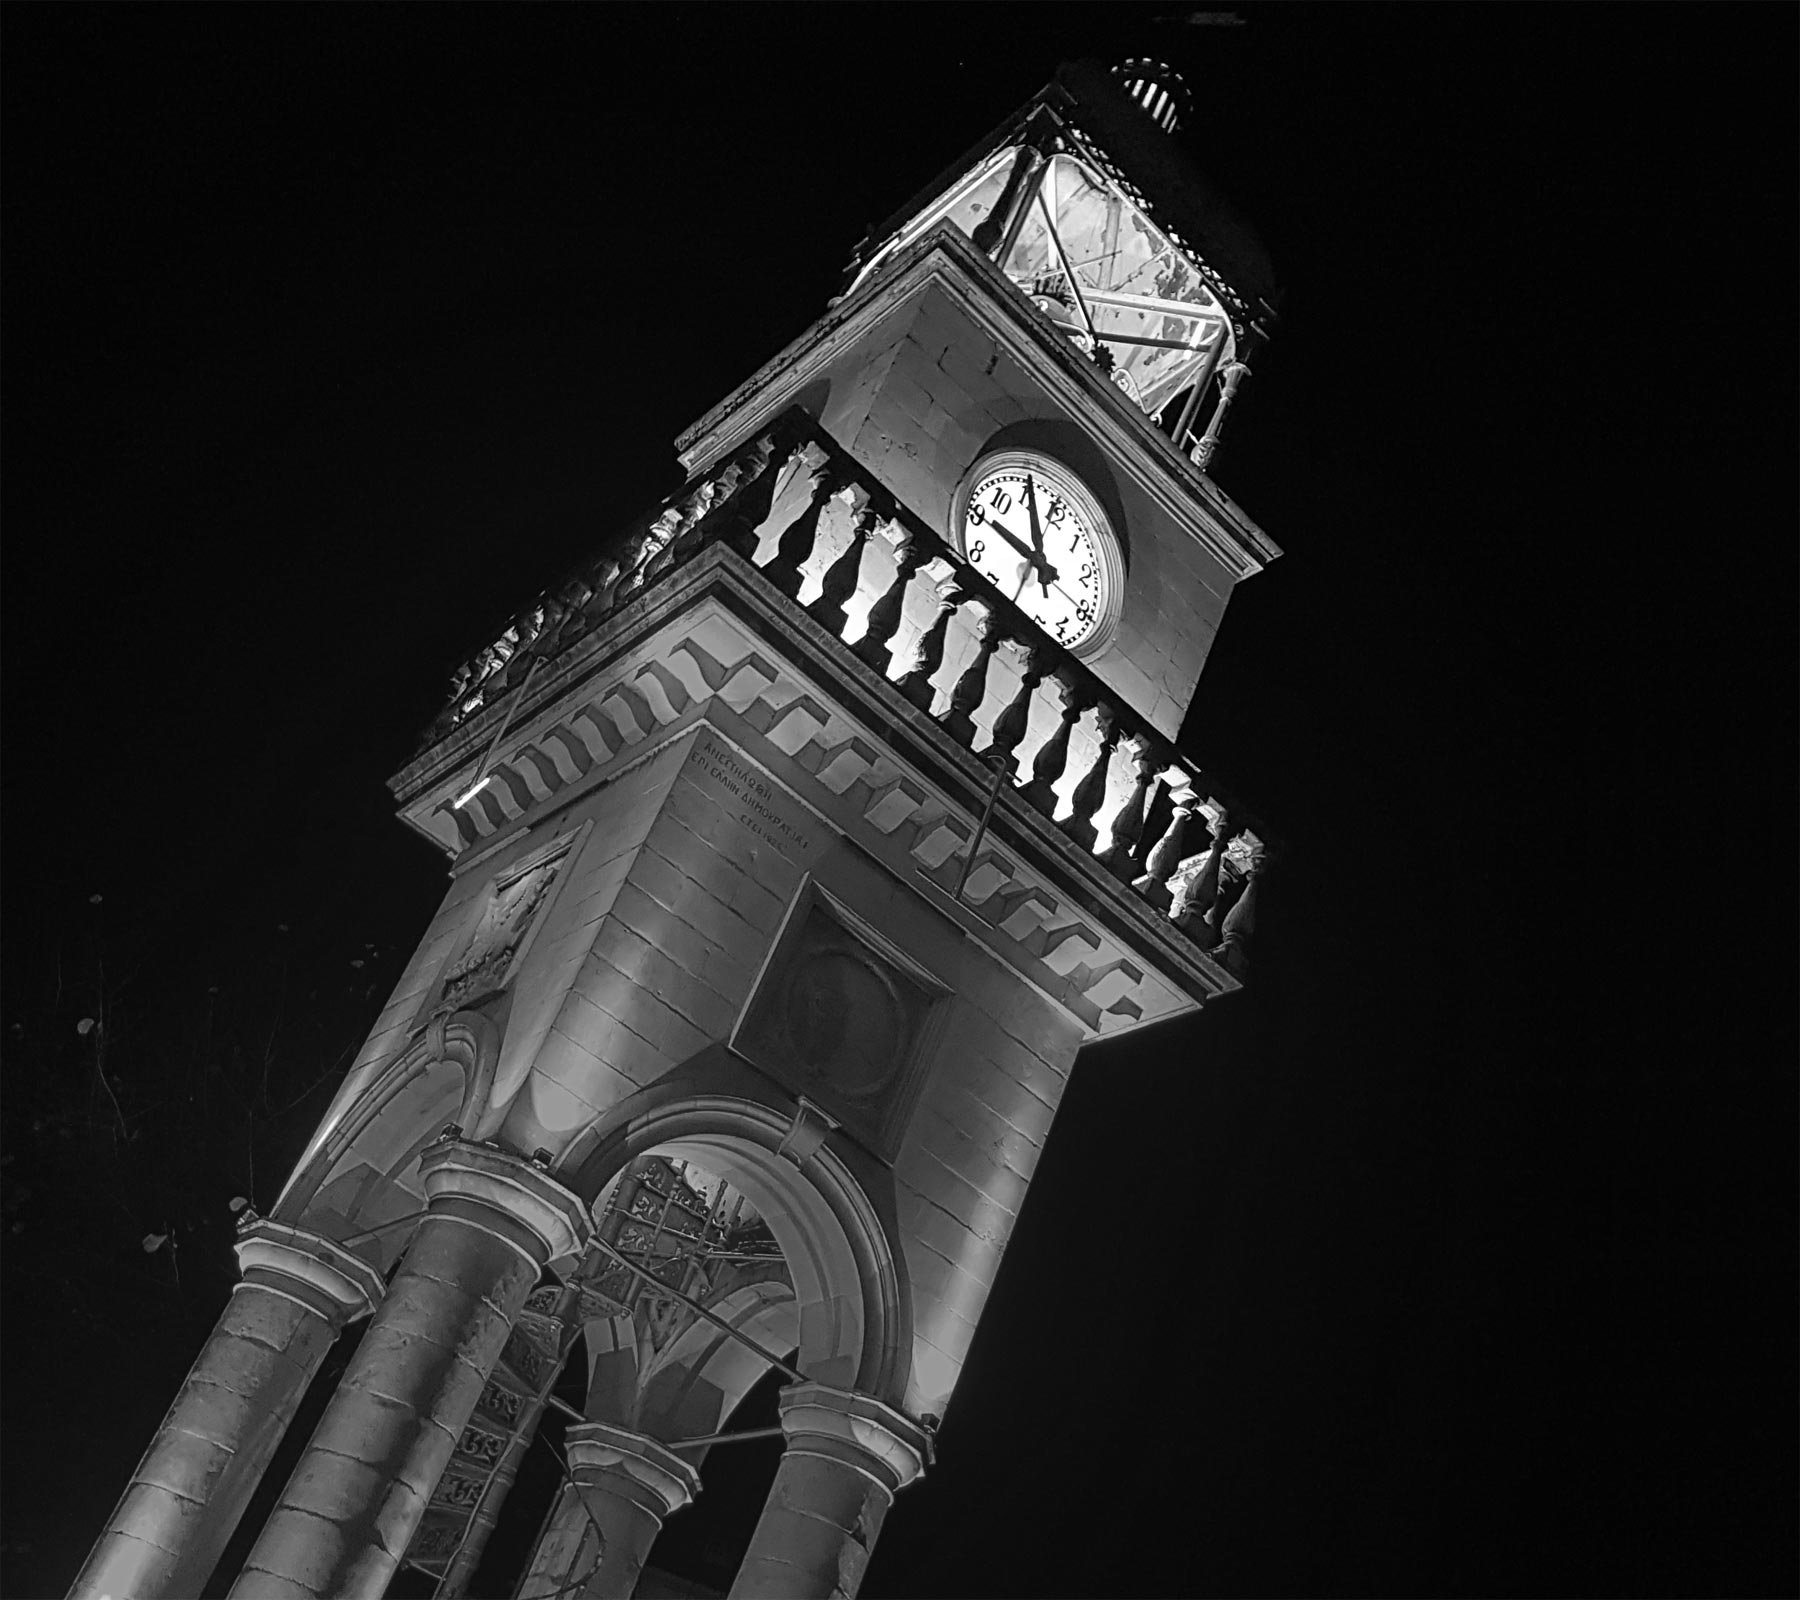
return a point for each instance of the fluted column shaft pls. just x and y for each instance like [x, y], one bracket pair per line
[184, 1501]
[599, 1536]
[846, 1457]
[345, 1518]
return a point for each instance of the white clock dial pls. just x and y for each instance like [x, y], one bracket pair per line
[1024, 528]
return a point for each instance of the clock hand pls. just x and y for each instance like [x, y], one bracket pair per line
[1037, 562]
[1037, 538]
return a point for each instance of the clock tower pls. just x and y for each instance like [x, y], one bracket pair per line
[797, 842]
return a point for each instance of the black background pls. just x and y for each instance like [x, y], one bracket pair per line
[1455, 1257]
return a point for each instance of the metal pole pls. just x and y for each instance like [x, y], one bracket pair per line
[981, 829]
[1228, 387]
[1023, 211]
[481, 772]
[726, 1438]
[699, 1310]
[1192, 408]
[1068, 271]
[655, 1234]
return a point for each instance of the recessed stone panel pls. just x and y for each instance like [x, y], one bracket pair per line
[842, 1019]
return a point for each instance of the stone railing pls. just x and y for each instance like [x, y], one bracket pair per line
[826, 534]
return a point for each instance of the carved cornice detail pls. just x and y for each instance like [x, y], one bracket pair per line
[904, 759]
[745, 686]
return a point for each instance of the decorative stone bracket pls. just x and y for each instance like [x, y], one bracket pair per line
[809, 1131]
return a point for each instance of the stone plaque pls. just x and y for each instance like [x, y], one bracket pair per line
[753, 800]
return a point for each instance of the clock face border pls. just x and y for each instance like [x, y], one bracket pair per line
[1067, 483]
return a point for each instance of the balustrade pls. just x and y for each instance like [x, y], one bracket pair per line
[826, 534]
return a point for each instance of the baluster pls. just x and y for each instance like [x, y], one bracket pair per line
[1239, 924]
[1196, 894]
[1120, 856]
[638, 550]
[693, 514]
[550, 636]
[575, 595]
[971, 687]
[1091, 791]
[664, 533]
[606, 582]
[734, 520]
[801, 536]
[1010, 725]
[1053, 755]
[697, 533]
[928, 655]
[841, 577]
[876, 646]
[1166, 852]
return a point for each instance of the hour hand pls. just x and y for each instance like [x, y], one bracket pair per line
[1038, 564]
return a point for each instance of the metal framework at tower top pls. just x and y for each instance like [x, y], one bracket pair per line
[1178, 320]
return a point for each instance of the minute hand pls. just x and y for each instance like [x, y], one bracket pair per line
[1044, 569]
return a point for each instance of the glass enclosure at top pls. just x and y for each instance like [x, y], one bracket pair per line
[1144, 299]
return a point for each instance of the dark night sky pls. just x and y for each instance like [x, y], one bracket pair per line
[1456, 1257]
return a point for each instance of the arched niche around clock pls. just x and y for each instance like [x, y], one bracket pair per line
[1055, 436]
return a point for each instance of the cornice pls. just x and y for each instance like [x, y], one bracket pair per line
[807, 669]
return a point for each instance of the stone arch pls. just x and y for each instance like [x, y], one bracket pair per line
[696, 1384]
[359, 1174]
[854, 1322]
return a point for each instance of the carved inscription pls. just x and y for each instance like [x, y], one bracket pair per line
[759, 805]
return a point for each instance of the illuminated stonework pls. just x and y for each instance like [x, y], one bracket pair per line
[794, 854]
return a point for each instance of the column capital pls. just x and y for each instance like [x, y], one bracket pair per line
[504, 1195]
[306, 1266]
[856, 1430]
[596, 1450]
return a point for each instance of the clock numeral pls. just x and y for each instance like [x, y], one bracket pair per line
[976, 549]
[1000, 500]
[977, 513]
[1056, 512]
[1084, 610]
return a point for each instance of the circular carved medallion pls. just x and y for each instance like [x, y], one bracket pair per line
[845, 1022]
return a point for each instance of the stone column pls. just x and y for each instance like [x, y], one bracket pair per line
[624, 1485]
[183, 1502]
[345, 1517]
[846, 1457]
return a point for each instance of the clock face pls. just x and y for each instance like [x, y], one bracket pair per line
[1029, 528]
